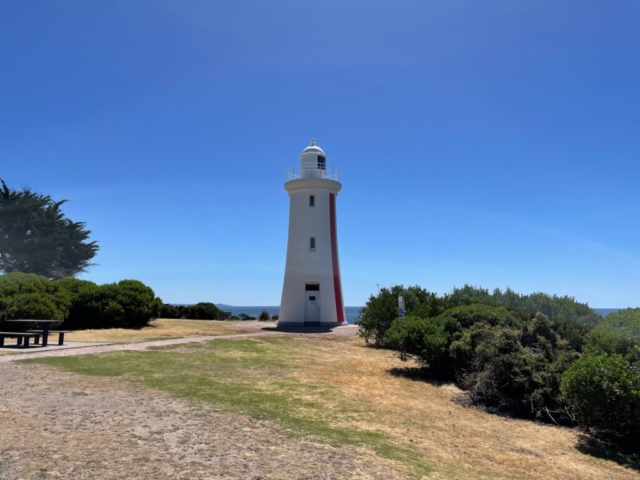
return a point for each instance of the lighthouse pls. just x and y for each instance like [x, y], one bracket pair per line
[312, 290]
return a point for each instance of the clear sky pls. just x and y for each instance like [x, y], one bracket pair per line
[491, 143]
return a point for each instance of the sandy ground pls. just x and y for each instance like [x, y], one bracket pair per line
[53, 426]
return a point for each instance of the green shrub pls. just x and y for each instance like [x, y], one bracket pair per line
[202, 311]
[506, 362]
[571, 320]
[126, 304]
[468, 295]
[604, 390]
[95, 307]
[73, 285]
[11, 283]
[138, 301]
[426, 339]
[603, 387]
[381, 310]
[26, 295]
[41, 306]
[454, 323]
[514, 370]
[429, 339]
[80, 303]
[508, 351]
[459, 318]
[169, 311]
[618, 333]
[264, 316]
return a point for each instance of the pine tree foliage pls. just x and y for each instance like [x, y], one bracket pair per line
[36, 237]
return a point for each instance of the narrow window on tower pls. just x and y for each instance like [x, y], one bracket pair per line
[322, 163]
[312, 244]
[312, 200]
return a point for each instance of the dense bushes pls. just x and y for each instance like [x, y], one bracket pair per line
[604, 391]
[506, 362]
[31, 305]
[27, 295]
[78, 303]
[202, 311]
[537, 356]
[618, 333]
[571, 319]
[603, 387]
[126, 304]
[376, 316]
[170, 311]
[514, 370]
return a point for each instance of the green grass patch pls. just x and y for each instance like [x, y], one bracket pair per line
[251, 376]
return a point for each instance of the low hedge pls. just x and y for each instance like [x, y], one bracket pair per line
[80, 304]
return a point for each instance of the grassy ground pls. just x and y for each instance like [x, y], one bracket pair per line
[159, 329]
[342, 393]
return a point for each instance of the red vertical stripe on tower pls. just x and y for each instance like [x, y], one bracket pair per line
[337, 290]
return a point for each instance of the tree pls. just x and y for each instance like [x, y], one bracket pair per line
[202, 311]
[36, 237]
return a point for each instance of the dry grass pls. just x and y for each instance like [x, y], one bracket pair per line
[425, 417]
[162, 329]
[159, 329]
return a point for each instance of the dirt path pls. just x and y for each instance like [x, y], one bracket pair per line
[60, 425]
[350, 330]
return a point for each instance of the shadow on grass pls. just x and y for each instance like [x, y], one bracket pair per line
[299, 329]
[606, 451]
[418, 374]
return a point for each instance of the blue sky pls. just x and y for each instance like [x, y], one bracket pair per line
[492, 143]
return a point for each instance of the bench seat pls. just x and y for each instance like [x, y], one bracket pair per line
[59, 332]
[22, 338]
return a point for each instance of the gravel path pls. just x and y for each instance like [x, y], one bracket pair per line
[56, 424]
[341, 331]
[71, 352]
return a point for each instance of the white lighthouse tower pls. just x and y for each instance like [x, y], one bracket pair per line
[312, 291]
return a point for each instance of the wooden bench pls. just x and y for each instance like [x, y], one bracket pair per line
[59, 332]
[23, 338]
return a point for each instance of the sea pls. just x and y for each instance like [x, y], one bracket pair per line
[352, 312]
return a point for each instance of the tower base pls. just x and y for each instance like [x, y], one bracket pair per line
[310, 327]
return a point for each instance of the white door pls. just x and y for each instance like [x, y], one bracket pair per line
[312, 307]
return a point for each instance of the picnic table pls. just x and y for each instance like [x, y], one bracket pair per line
[45, 328]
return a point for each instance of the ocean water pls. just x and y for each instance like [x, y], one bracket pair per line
[606, 311]
[352, 312]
